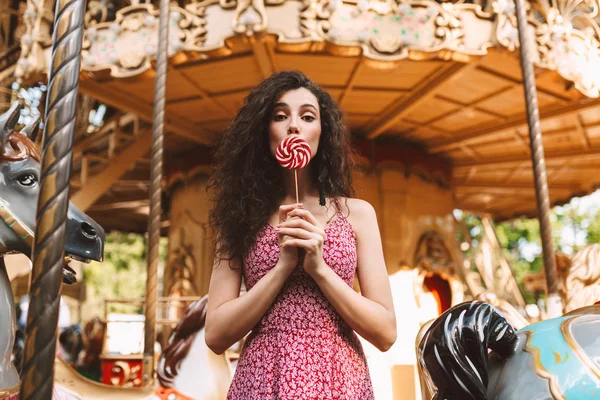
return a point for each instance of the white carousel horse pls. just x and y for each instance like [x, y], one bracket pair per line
[19, 175]
[19, 189]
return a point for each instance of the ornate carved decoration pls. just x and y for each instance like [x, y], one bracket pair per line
[38, 19]
[126, 45]
[567, 35]
[391, 30]
[250, 16]
[433, 255]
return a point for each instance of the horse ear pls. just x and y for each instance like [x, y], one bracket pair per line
[31, 129]
[8, 121]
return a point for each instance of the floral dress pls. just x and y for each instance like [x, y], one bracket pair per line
[302, 348]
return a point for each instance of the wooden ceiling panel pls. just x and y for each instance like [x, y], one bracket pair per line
[502, 147]
[356, 121]
[232, 101]
[140, 88]
[405, 75]
[590, 116]
[368, 101]
[430, 109]
[197, 110]
[468, 88]
[594, 135]
[226, 75]
[335, 93]
[464, 119]
[217, 126]
[550, 81]
[503, 64]
[558, 124]
[560, 141]
[512, 102]
[323, 69]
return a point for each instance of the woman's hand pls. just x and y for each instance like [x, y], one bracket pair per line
[288, 255]
[303, 231]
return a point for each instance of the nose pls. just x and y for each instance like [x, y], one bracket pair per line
[293, 128]
[88, 231]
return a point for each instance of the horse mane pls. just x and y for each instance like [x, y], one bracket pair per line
[19, 147]
[582, 283]
[453, 354]
[181, 341]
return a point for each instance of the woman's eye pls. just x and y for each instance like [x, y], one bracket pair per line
[308, 118]
[27, 179]
[279, 117]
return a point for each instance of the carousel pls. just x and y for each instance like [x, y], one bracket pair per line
[487, 106]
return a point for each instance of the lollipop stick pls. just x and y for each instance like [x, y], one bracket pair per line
[296, 179]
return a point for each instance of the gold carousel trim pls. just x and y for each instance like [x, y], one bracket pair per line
[567, 36]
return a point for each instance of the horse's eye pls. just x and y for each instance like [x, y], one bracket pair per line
[27, 180]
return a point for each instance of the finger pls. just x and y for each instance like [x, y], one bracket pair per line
[307, 244]
[296, 233]
[298, 222]
[304, 214]
[285, 209]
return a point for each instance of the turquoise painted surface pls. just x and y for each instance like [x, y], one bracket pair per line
[575, 380]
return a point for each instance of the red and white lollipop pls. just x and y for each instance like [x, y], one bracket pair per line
[293, 152]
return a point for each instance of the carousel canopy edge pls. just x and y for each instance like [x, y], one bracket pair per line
[123, 43]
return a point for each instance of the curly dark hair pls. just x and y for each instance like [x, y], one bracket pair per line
[247, 184]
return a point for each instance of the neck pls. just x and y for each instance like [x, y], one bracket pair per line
[304, 187]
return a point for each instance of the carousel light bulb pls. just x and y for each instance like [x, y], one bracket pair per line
[149, 50]
[364, 35]
[112, 57]
[362, 5]
[89, 60]
[405, 8]
[26, 39]
[334, 5]
[23, 63]
[30, 13]
[149, 20]
[432, 11]
[334, 33]
[115, 27]
[92, 33]
[176, 45]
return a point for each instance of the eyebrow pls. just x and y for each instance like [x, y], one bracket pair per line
[282, 104]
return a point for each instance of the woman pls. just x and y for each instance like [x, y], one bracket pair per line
[298, 261]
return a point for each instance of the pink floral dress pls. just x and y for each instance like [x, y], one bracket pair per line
[302, 348]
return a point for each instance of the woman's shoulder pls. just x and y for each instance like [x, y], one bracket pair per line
[359, 212]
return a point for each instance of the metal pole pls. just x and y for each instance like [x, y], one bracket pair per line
[155, 194]
[53, 202]
[554, 306]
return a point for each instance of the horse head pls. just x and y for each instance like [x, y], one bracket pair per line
[19, 189]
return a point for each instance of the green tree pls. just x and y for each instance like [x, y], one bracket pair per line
[122, 275]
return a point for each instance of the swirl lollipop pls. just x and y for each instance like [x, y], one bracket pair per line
[293, 152]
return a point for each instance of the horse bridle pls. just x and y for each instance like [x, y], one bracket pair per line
[22, 231]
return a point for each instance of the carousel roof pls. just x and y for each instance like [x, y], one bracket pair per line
[442, 80]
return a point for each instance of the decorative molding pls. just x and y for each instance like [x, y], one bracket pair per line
[127, 45]
[123, 42]
[38, 18]
[390, 30]
[567, 36]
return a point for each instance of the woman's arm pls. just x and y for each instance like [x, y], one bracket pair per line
[231, 316]
[371, 312]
